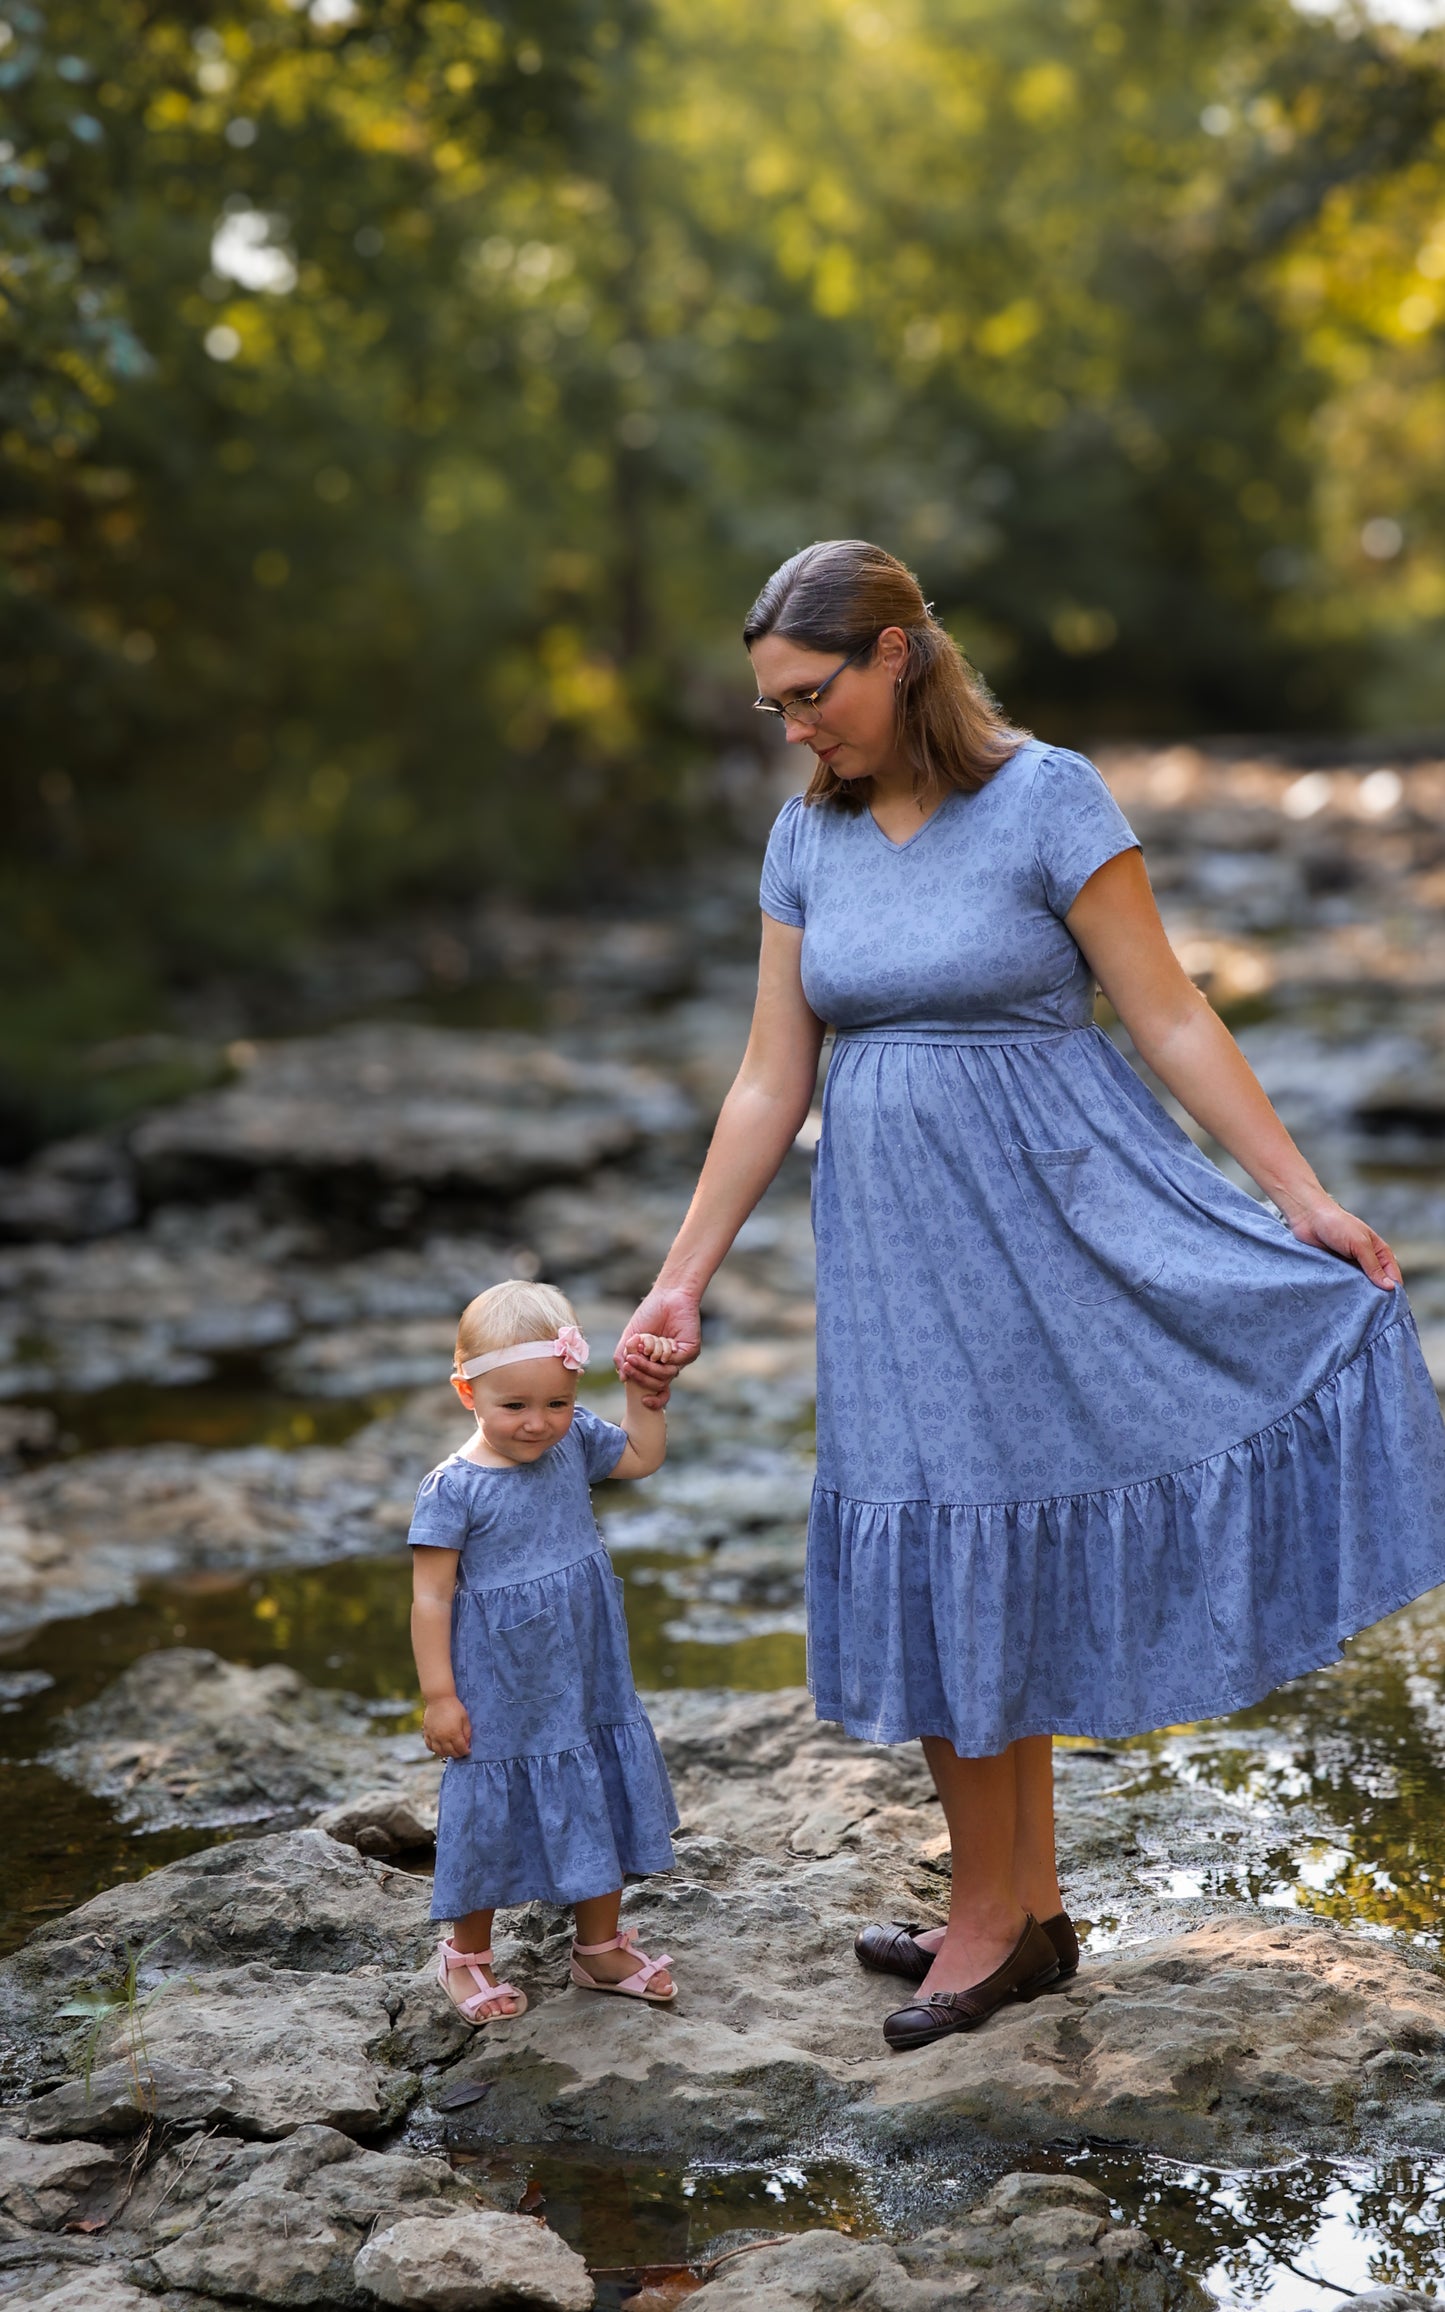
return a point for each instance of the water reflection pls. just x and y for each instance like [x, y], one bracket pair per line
[1360, 1748]
[231, 1411]
[1289, 2238]
[622, 2213]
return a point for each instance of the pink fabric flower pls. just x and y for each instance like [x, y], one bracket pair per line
[571, 1348]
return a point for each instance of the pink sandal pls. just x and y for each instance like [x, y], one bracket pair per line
[633, 1986]
[449, 1958]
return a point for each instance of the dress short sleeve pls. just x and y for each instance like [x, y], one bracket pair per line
[602, 1442]
[1077, 826]
[780, 893]
[443, 1510]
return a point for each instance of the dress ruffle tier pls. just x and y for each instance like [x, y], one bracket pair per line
[933, 1617]
[555, 1828]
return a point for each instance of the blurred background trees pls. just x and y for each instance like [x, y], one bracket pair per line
[401, 401]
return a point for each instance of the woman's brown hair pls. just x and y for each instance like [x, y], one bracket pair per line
[838, 596]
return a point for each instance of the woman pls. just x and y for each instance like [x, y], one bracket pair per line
[1104, 1444]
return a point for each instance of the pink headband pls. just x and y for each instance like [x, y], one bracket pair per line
[569, 1346]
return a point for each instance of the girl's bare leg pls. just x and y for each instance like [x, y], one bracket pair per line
[473, 1933]
[1033, 1876]
[597, 1923]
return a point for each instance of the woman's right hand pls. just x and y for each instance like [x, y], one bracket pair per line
[672, 1311]
[446, 1729]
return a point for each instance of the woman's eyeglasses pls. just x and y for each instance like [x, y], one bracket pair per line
[807, 709]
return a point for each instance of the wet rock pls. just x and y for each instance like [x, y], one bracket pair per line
[17, 1686]
[252, 2049]
[296, 1901]
[612, 1233]
[1036, 2244]
[281, 2223]
[120, 2100]
[465, 2263]
[430, 1108]
[157, 1305]
[72, 1189]
[99, 2290]
[44, 2185]
[185, 1738]
[83, 1535]
[1235, 2040]
[161, 1303]
[27, 1433]
[383, 1822]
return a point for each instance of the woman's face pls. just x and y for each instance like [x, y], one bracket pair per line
[857, 734]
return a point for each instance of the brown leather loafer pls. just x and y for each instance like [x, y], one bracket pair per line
[1060, 1931]
[1031, 1966]
[892, 1950]
[895, 1950]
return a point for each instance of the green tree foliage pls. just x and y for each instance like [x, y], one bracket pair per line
[401, 399]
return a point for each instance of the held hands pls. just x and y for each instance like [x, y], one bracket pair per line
[446, 1729]
[664, 1335]
[1328, 1225]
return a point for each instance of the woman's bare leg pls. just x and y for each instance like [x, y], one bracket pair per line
[985, 1916]
[1036, 1870]
[1032, 1876]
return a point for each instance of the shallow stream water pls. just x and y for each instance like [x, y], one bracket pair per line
[1351, 1744]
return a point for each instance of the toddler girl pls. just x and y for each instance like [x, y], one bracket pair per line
[554, 1789]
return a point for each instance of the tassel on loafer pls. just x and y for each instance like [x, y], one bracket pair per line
[894, 1949]
[1031, 1966]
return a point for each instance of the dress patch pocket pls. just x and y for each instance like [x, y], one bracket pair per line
[1099, 1228]
[530, 1659]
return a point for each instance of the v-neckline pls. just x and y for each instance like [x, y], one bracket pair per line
[909, 840]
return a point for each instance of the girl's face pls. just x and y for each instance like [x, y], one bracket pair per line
[857, 734]
[522, 1409]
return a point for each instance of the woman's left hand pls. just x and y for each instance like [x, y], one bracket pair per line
[1332, 1228]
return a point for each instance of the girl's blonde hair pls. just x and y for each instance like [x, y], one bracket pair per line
[838, 596]
[509, 1313]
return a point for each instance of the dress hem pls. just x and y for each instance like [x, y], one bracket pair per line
[1339, 1534]
[1104, 1730]
[557, 1826]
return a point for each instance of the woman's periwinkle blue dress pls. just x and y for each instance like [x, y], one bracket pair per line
[565, 1793]
[1101, 1446]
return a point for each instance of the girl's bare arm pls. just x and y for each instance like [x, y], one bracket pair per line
[646, 1425]
[445, 1725]
[1116, 923]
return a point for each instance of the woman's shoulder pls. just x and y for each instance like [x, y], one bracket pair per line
[1058, 770]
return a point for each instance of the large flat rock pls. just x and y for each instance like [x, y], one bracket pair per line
[185, 1739]
[252, 2050]
[427, 1107]
[296, 1902]
[1236, 2039]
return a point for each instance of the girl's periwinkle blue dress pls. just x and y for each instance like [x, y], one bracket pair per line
[1101, 1446]
[565, 1793]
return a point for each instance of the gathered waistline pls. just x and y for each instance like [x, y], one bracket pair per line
[905, 1033]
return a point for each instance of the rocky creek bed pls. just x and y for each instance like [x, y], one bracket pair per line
[228, 2075]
